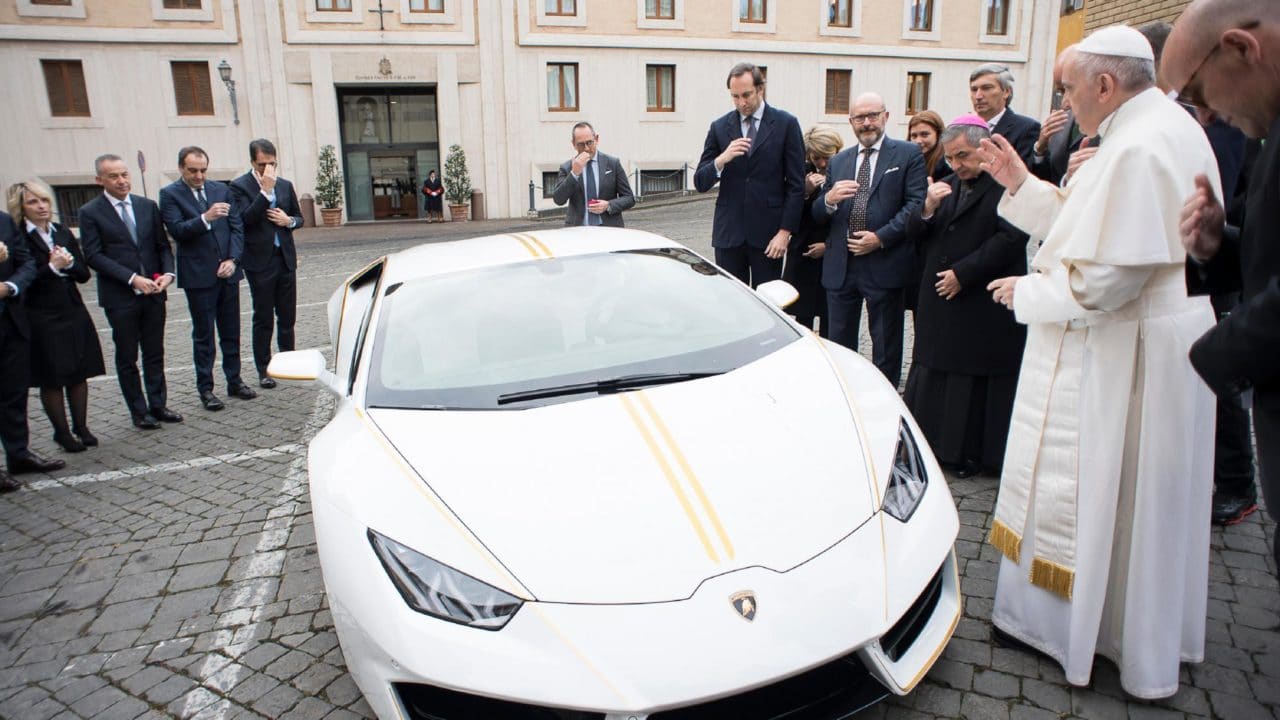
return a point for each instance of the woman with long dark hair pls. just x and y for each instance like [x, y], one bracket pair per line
[924, 129]
[64, 343]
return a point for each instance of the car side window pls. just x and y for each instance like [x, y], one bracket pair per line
[356, 299]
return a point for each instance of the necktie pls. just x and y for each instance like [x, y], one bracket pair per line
[966, 187]
[277, 233]
[128, 220]
[751, 133]
[204, 203]
[858, 208]
[592, 193]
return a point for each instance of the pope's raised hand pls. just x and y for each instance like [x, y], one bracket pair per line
[1002, 162]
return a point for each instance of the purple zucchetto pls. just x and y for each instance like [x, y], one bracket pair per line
[971, 119]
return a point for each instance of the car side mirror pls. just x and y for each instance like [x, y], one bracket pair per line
[779, 293]
[303, 366]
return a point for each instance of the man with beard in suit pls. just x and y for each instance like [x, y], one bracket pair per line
[269, 209]
[871, 190]
[124, 242]
[17, 271]
[991, 91]
[1222, 56]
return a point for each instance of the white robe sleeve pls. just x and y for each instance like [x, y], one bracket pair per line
[1034, 208]
[1085, 289]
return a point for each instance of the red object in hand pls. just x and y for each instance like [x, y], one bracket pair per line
[156, 276]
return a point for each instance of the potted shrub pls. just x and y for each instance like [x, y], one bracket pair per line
[329, 187]
[457, 183]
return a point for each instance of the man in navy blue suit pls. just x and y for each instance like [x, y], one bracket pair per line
[871, 189]
[991, 91]
[756, 154]
[268, 207]
[124, 242]
[198, 214]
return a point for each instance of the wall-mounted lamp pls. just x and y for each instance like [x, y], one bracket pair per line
[224, 70]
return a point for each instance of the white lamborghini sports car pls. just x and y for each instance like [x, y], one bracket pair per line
[584, 473]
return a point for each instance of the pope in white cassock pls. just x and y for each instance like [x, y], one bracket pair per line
[1103, 512]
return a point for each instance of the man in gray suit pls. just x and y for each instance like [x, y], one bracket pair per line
[594, 184]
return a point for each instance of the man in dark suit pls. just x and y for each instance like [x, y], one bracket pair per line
[17, 270]
[1059, 134]
[198, 214]
[594, 184]
[1220, 57]
[268, 207]
[871, 189]
[991, 91]
[756, 154]
[124, 241]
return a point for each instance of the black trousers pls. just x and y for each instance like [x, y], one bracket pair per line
[885, 311]
[217, 306]
[749, 264]
[274, 291]
[140, 325]
[1266, 427]
[15, 368]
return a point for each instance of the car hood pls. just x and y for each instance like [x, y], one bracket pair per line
[640, 496]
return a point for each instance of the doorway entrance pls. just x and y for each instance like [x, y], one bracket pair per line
[390, 141]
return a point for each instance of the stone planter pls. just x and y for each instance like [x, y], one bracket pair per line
[332, 216]
[459, 213]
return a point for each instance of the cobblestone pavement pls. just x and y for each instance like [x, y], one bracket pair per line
[174, 573]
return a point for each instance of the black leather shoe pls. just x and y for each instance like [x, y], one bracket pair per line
[8, 483]
[211, 401]
[267, 382]
[86, 437]
[967, 469]
[166, 415]
[69, 442]
[242, 391]
[146, 422]
[1231, 509]
[32, 462]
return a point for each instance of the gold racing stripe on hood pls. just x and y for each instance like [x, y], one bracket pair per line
[527, 245]
[707, 507]
[673, 480]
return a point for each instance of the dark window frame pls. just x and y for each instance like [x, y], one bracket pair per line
[72, 87]
[576, 102]
[198, 93]
[656, 105]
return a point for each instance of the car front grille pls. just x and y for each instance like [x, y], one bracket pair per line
[898, 640]
[427, 702]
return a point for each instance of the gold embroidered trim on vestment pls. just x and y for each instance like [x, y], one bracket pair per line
[1055, 578]
[1008, 542]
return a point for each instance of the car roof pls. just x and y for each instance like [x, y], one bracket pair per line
[515, 247]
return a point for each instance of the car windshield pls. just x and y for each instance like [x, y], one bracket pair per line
[548, 331]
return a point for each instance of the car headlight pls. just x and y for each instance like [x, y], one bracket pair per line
[908, 479]
[435, 589]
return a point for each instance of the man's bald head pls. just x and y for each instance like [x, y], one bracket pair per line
[1064, 58]
[1225, 55]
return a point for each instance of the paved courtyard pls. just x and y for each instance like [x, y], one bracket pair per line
[174, 573]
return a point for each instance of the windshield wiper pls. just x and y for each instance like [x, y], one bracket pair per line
[611, 385]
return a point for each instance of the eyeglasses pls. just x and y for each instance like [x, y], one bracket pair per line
[866, 117]
[584, 144]
[1192, 93]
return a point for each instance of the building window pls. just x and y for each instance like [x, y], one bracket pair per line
[660, 81]
[64, 80]
[333, 5]
[660, 9]
[70, 198]
[653, 182]
[182, 4]
[917, 92]
[922, 15]
[191, 89]
[562, 87]
[752, 11]
[1070, 6]
[426, 6]
[838, 82]
[840, 13]
[997, 17]
[562, 7]
[550, 181]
